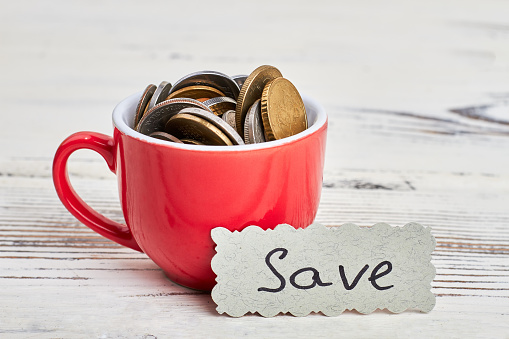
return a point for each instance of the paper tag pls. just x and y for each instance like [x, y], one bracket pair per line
[322, 269]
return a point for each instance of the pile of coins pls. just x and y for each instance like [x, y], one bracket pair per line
[212, 108]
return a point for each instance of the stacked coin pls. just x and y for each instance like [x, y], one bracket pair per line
[212, 108]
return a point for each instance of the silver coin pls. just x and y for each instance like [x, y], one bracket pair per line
[230, 132]
[219, 105]
[229, 117]
[239, 79]
[253, 126]
[209, 78]
[158, 116]
[160, 94]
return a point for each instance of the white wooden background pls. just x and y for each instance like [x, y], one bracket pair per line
[418, 98]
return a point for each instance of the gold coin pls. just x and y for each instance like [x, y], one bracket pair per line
[283, 111]
[251, 91]
[141, 109]
[186, 126]
[196, 92]
[191, 142]
[230, 132]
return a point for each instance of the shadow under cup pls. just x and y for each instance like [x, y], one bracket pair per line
[172, 194]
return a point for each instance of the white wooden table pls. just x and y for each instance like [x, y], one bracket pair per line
[418, 99]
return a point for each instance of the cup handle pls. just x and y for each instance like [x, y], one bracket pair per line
[105, 146]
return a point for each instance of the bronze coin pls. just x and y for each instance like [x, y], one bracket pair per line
[143, 103]
[165, 136]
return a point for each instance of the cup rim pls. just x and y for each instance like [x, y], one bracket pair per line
[123, 108]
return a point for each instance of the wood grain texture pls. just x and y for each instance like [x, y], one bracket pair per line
[418, 101]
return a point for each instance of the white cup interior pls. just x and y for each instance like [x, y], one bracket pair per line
[123, 119]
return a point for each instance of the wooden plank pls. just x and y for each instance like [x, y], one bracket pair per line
[469, 261]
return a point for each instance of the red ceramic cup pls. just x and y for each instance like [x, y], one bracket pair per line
[172, 194]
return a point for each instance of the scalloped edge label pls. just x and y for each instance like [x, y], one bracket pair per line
[323, 269]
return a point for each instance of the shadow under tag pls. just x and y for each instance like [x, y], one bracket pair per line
[323, 269]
